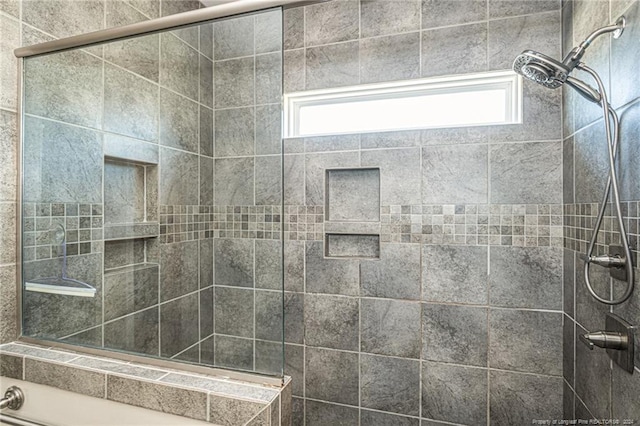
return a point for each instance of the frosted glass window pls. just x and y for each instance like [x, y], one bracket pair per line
[457, 101]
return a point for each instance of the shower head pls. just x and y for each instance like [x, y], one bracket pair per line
[540, 68]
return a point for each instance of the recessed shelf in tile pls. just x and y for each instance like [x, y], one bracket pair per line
[352, 246]
[352, 195]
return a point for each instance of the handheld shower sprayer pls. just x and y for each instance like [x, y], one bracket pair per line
[553, 74]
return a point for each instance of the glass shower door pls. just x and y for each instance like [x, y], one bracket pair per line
[152, 196]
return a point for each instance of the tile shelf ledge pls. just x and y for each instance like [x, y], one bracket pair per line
[216, 399]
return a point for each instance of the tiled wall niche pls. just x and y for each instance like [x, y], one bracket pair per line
[442, 328]
[594, 388]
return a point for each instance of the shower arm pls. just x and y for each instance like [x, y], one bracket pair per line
[612, 143]
[576, 54]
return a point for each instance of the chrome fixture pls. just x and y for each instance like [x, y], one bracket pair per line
[13, 399]
[617, 339]
[552, 74]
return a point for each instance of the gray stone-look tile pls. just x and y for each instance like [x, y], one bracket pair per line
[269, 357]
[593, 367]
[455, 274]
[206, 82]
[294, 367]
[206, 40]
[456, 334]
[294, 184]
[567, 171]
[390, 384]
[10, 7]
[332, 65]
[65, 87]
[124, 148]
[294, 70]
[178, 325]
[396, 275]
[395, 139]
[455, 174]
[529, 173]
[223, 386]
[234, 311]
[390, 327]
[399, 174]
[568, 401]
[454, 50]
[517, 398]
[234, 84]
[268, 176]
[179, 269]
[568, 350]
[36, 352]
[90, 383]
[454, 393]
[268, 28]
[315, 168]
[294, 317]
[189, 34]
[331, 321]
[8, 145]
[269, 264]
[380, 17]
[10, 29]
[206, 312]
[11, 366]
[501, 8]
[140, 54]
[206, 181]
[331, 23]
[8, 220]
[390, 58]
[178, 66]
[268, 139]
[293, 28]
[629, 153]
[439, 13]
[206, 131]
[134, 333]
[72, 17]
[352, 246]
[233, 37]
[178, 122]
[268, 312]
[129, 290]
[526, 277]
[234, 262]
[233, 181]
[322, 413]
[623, 58]
[335, 276]
[331, 376]
[230, 411]
[151, 8]
[124, 192]
[624, 387]
[528, 341]
[234, 132]
[385, 419]
[234, 352]
[158, 397]
[268, 78]
[591, 164]
[569, 271]
[8, 323]
[178, 177]
[118, 367]
[509, 37]
[353, 195]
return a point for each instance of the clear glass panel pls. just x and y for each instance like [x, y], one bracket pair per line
[152, 204]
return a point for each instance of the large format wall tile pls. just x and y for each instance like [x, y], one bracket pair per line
[179, 66]
[526, 277]
[10, 29]
[390, 384]
[8, 155]
[335, 276]
[66, 87]
[135, 333]
[234, 132]
[399, 174]
[396, 275]
[234, 84]
[65, 163]
[178, 122]
[455, 274]
[454, 393]
[178, 177]
[233, 181]
[178, 269]
[72, 17]
[390, 58]
[234, 311]
[454, 50]
[315, 165]
[383, 17]
[331, 22]
[390, 327]
[332, 375]
[233, 38]
[321, 413]
[331, 321]
[332, 65]
[454, 174]
[178, 325]
[440, 13]
[234, 262]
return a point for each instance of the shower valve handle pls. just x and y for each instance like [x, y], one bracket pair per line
[605, 339]
[606, 261]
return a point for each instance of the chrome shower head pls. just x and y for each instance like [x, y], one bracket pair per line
[542, 69]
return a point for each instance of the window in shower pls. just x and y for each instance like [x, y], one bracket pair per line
[178, 243]
[455, 101]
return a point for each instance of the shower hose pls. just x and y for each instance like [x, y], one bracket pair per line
[609, 115]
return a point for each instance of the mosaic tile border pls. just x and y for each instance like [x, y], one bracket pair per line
[579, 220]
[83, 228]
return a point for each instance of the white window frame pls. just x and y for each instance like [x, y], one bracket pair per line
[508, 80]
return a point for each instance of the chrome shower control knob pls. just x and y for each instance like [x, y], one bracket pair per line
[13, 399]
